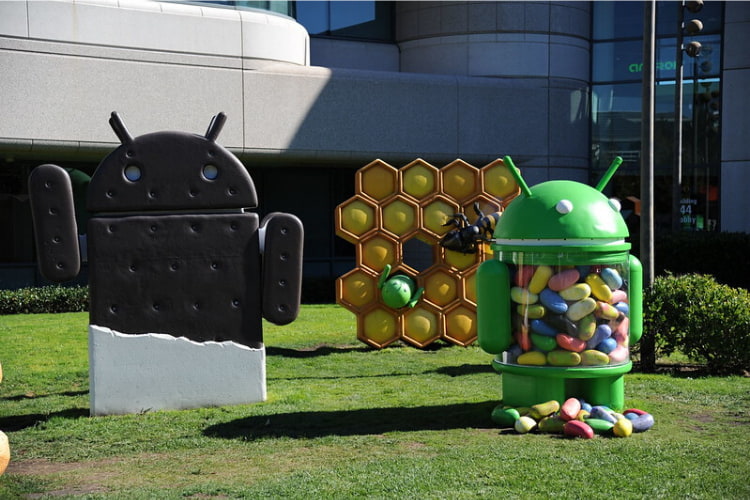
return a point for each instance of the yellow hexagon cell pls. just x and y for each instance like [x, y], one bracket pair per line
[378, 180]
[378, 251]
[437, 212]
[460, 180]
[498, 181]
[355, 218]
[461, 325]
[440, 288]
[378, 328]
[356, 289]
[470, 286]
[459, 260]
[421, 326]
[400, 216]
[419, 179]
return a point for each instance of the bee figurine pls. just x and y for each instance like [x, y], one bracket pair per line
[181, 273]
[466, 237]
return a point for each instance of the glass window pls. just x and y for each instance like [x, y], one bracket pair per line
[366, 20]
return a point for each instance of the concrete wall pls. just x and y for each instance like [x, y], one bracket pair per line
[735, 99]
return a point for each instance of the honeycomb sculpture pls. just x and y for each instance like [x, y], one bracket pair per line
[396, 217]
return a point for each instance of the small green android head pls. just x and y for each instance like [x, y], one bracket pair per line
[399, 290]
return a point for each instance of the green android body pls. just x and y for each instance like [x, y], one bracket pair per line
[561, 302]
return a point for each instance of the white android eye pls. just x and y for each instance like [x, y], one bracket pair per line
[564, 207]
[210, 172]
[132, 173]
[615, 204]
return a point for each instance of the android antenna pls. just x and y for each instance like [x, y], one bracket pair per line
[120, 129]
[609, 173]
[214, 128]
[517, 175]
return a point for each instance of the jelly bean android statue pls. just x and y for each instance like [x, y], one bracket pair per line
[181, 271]
[560, 303]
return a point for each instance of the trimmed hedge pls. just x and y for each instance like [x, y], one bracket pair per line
[47, 299]
[705, 320]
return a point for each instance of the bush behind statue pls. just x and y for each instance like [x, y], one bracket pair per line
[46, 299]
[703, 319]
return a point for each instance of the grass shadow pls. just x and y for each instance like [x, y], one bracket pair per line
[24, 397]
[313, 352]
[20, 422]
[314, 424]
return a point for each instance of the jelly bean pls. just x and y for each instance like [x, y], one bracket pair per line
[602, 332]
[583, 270]
[643, 423]
[581, 309]
[607, 345]
[552, 424]
[635, 410]
[505, 417]
[631, 416]
[545, 409]
[611, 277]
[585, 405]
[600, 426]
[623, 307]
[602, 413]
[618, 296]
[570, 343]
[623, 428]
[523, 275]
[542, 342]
[563, 280]
[531, 311]
[606, 311]
[534, 358]
[576, 292]
[553, 302]
[523, 339]
[621, 333]
[558, 357]
[563, 324]
[570, 409]
[522, 296]
[591, 357]
[619, 354]
[599, 288]
[524, 425]
[586, 327]
[582, 415]
[542, 328]
[540, 278]
[576, 428]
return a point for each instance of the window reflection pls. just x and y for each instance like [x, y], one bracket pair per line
[364, 20]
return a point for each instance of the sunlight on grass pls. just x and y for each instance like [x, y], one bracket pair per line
[343, 420]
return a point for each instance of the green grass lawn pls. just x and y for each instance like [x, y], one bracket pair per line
[343, 420]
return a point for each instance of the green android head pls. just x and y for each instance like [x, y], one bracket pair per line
[562, 215]
[399, 290]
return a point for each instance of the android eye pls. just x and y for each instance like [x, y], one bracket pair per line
[132, 173]
[210, 172]
[564, 207]
[615, 204]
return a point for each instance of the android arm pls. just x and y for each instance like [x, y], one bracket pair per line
[53, 215]
[282, 240]
[493, 306]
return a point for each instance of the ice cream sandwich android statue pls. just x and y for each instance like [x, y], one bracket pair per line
[561, 301]
[180, 272]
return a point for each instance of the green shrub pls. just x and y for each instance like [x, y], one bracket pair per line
[47, 299]
[705, 320]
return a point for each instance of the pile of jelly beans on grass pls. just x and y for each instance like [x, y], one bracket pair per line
[569, 316]
[574, 418]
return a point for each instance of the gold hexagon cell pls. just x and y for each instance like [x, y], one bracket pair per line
[470, 286]
[378, 327]
[356, 289]
[377, 251]
[460, 180]
[419, 179]
[461, 325]
[377, 180]
[440, 287]
[421, 325]
[400, 216]
[437, 212]
[460, 261]
[498, 181]
[355, 218]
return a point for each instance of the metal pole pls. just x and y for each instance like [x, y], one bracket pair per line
[677, 167]
[648, 361]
